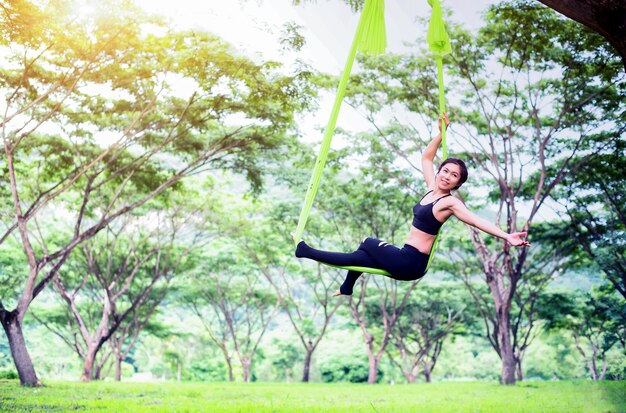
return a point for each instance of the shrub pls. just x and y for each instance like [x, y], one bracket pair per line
[353, 370]
[8, 375]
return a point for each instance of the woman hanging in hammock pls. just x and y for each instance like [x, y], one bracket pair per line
[429, 214]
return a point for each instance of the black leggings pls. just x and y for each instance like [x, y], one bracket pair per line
[405, 264]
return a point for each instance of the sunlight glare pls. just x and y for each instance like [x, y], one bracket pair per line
[85, 9]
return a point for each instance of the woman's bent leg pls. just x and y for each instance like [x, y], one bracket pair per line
[356, 258]
[348, 285]
[404, 264]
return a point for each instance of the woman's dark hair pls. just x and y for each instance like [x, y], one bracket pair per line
[461, 165]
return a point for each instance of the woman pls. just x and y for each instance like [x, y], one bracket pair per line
[429, 214]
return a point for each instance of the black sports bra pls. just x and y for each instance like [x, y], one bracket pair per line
[423, 217]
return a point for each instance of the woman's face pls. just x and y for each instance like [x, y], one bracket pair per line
[448, 177]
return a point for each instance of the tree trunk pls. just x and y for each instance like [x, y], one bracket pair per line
[246, 371]
[427, 374]
[374, 361]
[307, 365]
[594, 368]
[502, 303]
[591, 365]
[506, 349]
[97, 371]
[518, 369]
[604, 366]
[90, 358]
[229, 367]
[23, 363]
[118, 367]
[227, 359]
[411, 375]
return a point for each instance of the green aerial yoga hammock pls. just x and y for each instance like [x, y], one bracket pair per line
[439, 44]
[370, 38]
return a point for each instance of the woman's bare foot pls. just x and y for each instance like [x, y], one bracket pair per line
[338, 293]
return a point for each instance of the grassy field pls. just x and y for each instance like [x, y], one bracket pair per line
[553, 397]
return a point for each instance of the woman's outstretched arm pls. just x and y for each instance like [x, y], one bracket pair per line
[460, 211]
[428, 156]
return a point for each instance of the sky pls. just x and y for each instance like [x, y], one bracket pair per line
[254, 26]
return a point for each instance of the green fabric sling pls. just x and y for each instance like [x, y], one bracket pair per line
[370, 38]
[439, 45]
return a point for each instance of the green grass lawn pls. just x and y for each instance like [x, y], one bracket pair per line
[550, 397]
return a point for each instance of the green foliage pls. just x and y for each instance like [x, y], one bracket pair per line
[596, 321]
[8, 375]
[291, 37]
[467, 358]
[126, 127]
[354, 369]
[593, 199]
[431, 316]
[286, 355]
[433, 306]
[376, 202]
[554, 357]
[205, 370]
[5, 356]
[617, 367]
[12, 271]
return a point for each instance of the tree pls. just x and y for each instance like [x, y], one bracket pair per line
[549, 256]
[218, 332]
[92, 126]
[431, 315]
[285, 359]
[593, 200]
[596, 321]
[175, 360]
[123, 341]
[376, 310]
[303, 293]
[240, 304]
[502, 157]
[124, 275]
[307, 306]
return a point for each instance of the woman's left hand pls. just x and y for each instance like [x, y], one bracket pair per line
[443, 118]
[515, 239]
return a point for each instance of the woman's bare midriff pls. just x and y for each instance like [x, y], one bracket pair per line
[420, 240]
